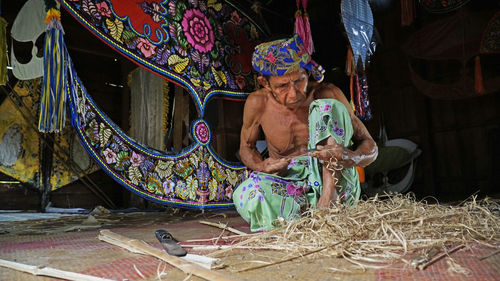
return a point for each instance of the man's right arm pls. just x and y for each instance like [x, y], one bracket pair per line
[249, 154]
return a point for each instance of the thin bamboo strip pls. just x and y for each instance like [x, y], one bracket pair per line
[51, 272]
[223, 226]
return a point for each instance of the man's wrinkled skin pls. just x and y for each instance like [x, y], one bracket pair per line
[281, 109]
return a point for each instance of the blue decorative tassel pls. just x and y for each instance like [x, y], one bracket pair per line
[54, 91]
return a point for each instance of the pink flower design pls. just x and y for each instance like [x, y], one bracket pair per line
[202, 132]
[270, 57]
[198, 30]
[146, 47]
[240, 81]
[294, 189]
[229, 192]
[136, 159]
[327, 107]
[235, 17]
[103, 9]
[168, 186]
[110, 155]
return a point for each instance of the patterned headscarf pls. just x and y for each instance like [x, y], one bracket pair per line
[284, 56]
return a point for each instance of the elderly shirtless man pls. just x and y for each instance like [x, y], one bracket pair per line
[306, 123]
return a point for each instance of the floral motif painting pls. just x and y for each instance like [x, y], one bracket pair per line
[204, 45]
[195, 178]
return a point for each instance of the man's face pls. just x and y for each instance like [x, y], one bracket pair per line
[290, 89]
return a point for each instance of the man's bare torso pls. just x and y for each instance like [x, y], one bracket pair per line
[286, 130]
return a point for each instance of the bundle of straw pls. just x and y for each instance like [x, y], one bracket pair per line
[381, 230]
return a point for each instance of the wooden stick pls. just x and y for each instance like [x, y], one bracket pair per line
[223, 238]
[489, 255]
[219, 247]
[282, 261]
[139, 246]
[51, 272]
[223, 226]
[244, 242]
[438, 257]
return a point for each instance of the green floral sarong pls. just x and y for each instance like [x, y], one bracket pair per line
[263, 198]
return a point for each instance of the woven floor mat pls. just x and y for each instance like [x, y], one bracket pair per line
[81, 251]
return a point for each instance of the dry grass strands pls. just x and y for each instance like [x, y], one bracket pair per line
[378, 231]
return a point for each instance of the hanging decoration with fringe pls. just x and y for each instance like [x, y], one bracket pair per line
[4, 61]
[298, 27]
[55, 60]
[302, 26]
[358, 21]
[349, 70]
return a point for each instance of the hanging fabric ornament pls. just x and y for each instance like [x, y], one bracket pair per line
[55, 61]
[298, 27]
[302, 26]
[358, 21]
[351, 90]
[3, 52]
[407, 12]
[363, 110]
[308, 42]
[349, 70]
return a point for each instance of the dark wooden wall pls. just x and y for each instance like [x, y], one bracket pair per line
[459, 138]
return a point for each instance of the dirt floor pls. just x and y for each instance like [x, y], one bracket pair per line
[70, 243]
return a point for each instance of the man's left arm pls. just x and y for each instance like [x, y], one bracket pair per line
[366, 151]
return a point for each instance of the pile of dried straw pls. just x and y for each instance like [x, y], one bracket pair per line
[380, 230]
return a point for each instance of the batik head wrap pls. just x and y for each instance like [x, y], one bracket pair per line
[284, 56]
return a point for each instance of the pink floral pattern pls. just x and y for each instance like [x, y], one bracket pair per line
[168, 186]
[235, 17]
[110, 155]
[229, 192]
[146, 47]
[103, 9]
[202, 132]
[136, 159]
[294, 189]
[198, 30]
[240, 81]
[203, 45]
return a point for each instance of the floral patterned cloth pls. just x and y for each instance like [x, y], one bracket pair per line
[264, 199]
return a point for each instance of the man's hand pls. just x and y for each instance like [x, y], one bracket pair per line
[346, 158]
[275, 166]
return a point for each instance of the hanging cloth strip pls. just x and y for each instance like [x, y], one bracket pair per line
[55, 60]
[302, 26]
[358, 21]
